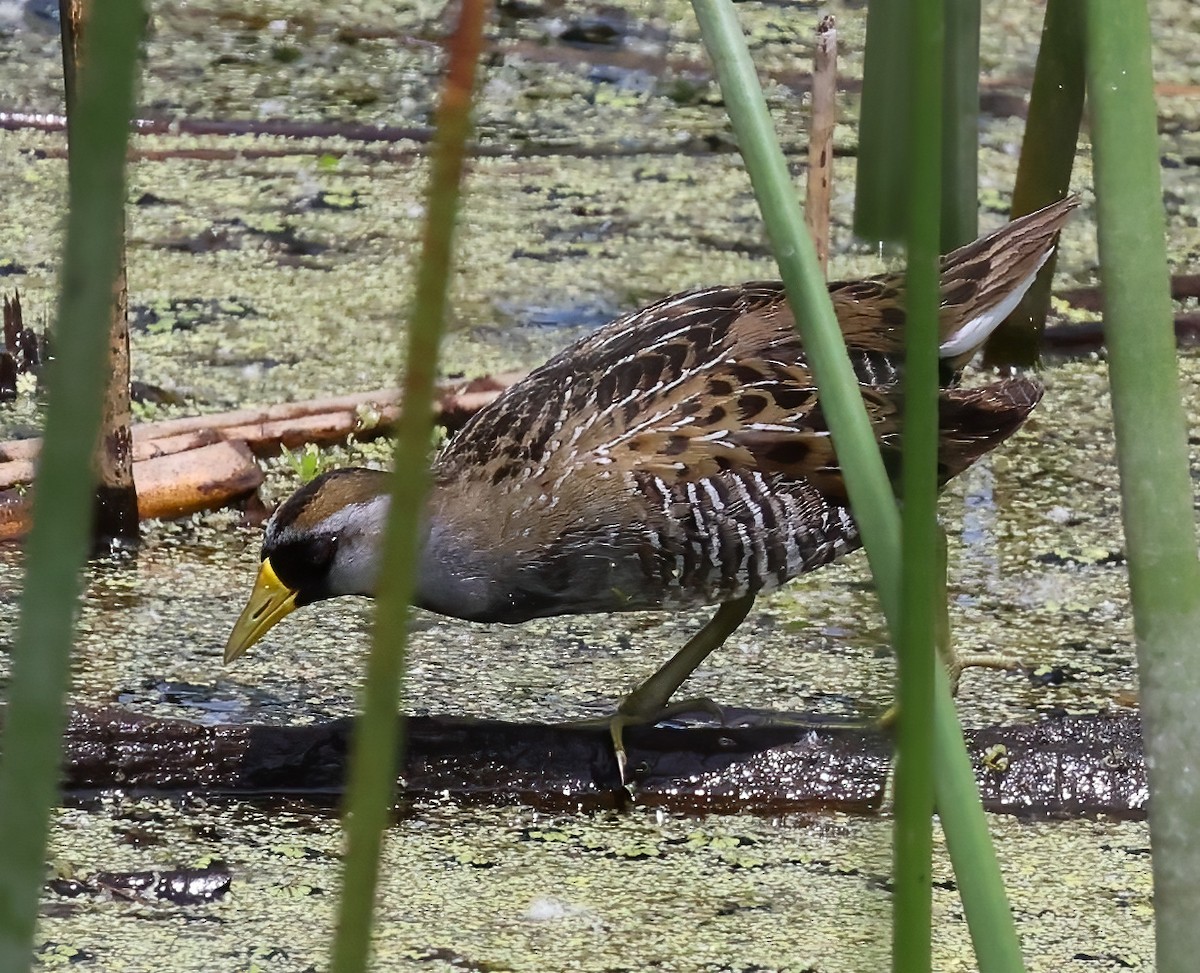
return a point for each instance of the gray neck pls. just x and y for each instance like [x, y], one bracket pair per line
[459, 580]
[358, 529]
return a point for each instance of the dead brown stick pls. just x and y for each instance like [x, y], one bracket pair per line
[281, 412]
[322, 428]
[820, 138]
[185, 465]
[115, 507]
[144, 449]
[327, 420]
[21, 471]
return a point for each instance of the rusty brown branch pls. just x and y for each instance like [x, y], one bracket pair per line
[819, 185]
[205, 462]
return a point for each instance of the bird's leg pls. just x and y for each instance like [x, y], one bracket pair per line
[646, 703]
[953, 660]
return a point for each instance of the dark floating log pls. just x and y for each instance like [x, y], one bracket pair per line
[184, 886]
[1071, 340]
[1076, 766]
[1183, 286]
[1068, 767]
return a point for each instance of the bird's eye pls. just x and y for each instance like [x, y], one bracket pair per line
[303, 563]
[322, 548]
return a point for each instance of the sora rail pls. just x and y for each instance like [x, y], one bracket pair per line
[676, 457]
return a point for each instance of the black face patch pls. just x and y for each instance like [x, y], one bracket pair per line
[303, 565]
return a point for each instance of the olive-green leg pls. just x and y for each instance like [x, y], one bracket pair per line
[648, 703]
[953, 660]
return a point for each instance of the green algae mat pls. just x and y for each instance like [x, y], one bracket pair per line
[265, 269]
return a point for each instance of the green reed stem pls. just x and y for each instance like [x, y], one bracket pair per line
[870, 493]
[378, 736]
[980, 883]
[881, 176]
[62, 505]
[1156, 488]
[960, 124]
[1055, 111]
[922, 577]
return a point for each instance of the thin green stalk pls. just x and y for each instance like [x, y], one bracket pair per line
[922, 576]
[1044, 172]
[1156, 488]
[378, 743]
[1055, 111]
[62, 503]
[889, 100]
[870, 492]
[980, 884]
[881, 176]
[960, 124]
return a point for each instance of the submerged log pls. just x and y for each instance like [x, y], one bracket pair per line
[1069, 767]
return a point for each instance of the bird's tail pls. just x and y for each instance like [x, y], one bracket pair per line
[983, 282]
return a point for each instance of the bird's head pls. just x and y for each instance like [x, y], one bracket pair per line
[322, 542]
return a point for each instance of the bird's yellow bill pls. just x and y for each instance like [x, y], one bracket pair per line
[270, 601]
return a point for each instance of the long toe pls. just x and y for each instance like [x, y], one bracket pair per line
[958, 662]
[630, 714]
[616, 728]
